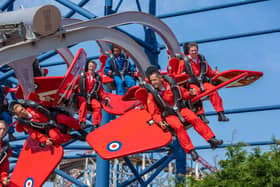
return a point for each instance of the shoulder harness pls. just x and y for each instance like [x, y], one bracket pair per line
[177, 95]
[4, 151]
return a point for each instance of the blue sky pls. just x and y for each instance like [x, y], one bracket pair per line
[259, 53]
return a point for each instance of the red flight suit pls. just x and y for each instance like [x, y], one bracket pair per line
[94, 103]
[4, 167]
[215, 98]
[174, 121]
[54, 133]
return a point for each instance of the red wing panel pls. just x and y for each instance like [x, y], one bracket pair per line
[227, 75]
[128, 134]
[106, 79]
[117, 106]
[130, 93]
[69, 84]
[35, 164]
[221, 85]
[47, 86]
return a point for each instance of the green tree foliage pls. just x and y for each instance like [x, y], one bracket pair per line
[242, 168]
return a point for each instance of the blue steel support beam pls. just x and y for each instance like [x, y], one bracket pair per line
[248, 109]
[6, 4]
[209, 8]
[79, 156]
[138, 6]
[10, 7]
[150, 38]
[138, 40]
[118, 6]
[77, 9]
[102, 166]
[69, 178]
[4, 76]
[233, 36]
[72, 12]
[133, 170]
[262, 143]
[108, 7]
[157, 164]
[159, 169]
[48, 64]
[180, 163]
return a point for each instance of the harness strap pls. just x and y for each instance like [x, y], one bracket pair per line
[4, 151]
[37, 106]
[94, 91]
[164, 107]
[82, 84]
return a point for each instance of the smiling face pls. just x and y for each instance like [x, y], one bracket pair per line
[156, 81]
[20, 111]
[116, 51]
[91, 66]
[193, 51]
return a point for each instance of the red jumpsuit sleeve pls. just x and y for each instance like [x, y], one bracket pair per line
[4, 169]
[153, 109]
[19, 127]
[36, 135]
[5, 166]
[210, 72]
[185, 93]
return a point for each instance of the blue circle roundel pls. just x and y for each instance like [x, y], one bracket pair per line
[29, 182]
[114, 146]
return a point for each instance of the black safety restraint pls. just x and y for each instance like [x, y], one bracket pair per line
[51, 115]
[167, 109]
[4, 151]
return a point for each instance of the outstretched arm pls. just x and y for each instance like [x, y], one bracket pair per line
[153, 109]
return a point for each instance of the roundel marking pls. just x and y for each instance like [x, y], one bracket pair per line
[29, 182]
[36, 86]
[114, 146]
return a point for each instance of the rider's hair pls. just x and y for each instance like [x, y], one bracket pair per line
[87, 63]
[151, 70]
[188, 45]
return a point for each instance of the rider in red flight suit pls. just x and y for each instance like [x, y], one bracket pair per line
[166, 93]
[91, 93]
[191, 50]
[5, 153]
[31, 113]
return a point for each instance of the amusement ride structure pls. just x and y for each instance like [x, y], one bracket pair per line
[42, 32]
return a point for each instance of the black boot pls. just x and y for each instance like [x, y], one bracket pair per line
[78, 137]
[215, 143]
[203, 118]
[222, 116]
[194, 154]
[83, 124]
